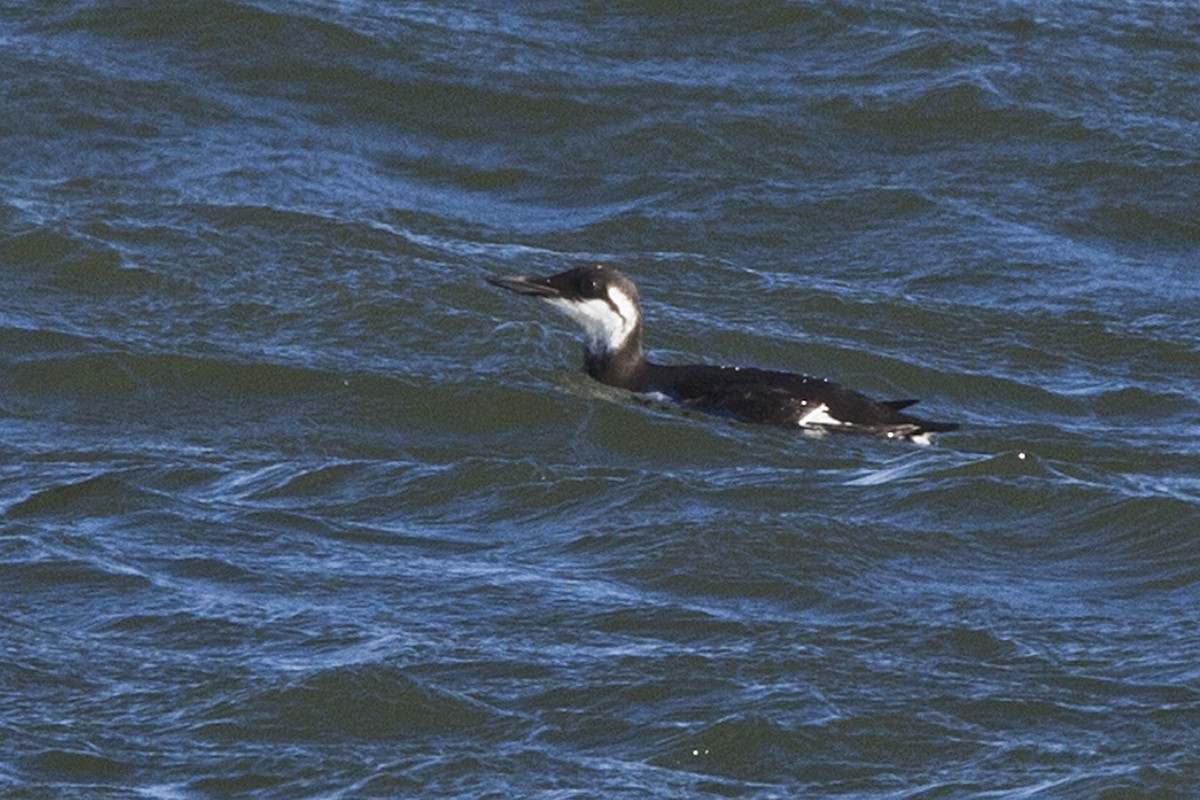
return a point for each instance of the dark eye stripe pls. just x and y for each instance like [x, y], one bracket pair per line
[616, 310]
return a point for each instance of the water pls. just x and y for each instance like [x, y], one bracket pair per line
[295, 505]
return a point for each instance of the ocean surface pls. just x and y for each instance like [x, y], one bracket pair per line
[294, 505]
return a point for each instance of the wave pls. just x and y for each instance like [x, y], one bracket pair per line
[361, 701]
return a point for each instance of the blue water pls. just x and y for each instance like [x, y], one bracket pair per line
[294, 505]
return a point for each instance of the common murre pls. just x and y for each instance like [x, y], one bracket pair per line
[605, 302]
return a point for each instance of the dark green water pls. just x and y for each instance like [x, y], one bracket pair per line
[293, 504]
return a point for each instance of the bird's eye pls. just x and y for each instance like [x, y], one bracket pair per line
[589, 286]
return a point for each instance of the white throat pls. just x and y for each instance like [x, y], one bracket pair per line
[606, 328]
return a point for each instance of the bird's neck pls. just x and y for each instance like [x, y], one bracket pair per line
[623, 367]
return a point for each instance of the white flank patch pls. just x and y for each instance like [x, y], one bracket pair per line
[604, 329]
[819, 415]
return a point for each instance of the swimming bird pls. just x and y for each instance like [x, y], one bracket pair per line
[605, 302]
